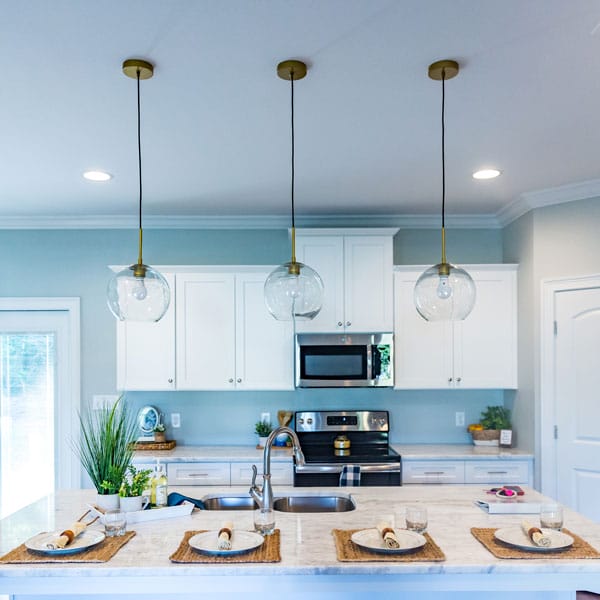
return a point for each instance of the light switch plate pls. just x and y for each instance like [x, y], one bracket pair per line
[265, 417]
[460, 419]
[101, 401]
[175, 420]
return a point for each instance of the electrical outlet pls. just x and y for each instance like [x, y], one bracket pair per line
[265, 417]
[460, 419]
[175, 420]
[101, 401]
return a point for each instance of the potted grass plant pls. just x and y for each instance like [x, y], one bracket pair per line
[262, 429]
[105, 449]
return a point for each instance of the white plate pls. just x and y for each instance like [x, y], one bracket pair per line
[85, 540]
[241, 541]
[371, 540]
[515, 536]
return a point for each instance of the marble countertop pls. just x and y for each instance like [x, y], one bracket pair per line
[253, 454]
[307, 546]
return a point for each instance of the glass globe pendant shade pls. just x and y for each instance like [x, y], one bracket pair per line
[138, 293]
[294, 291]
[444, 292]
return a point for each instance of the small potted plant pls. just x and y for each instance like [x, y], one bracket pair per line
[493, 420]
[159, 433]
[132, 489]
[263, 429]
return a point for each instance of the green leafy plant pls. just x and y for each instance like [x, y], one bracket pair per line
[496, 417]
[105, 446]
[159, 428]
[263, 428]
[135, 482]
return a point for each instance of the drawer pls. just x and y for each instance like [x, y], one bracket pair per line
[200, 473]
[281, 473]
[514, 471]
[419, 471]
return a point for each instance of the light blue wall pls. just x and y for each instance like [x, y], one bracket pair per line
[74, 263]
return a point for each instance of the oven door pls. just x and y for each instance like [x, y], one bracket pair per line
[316, 475]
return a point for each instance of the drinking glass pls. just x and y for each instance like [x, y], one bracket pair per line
[115, 523]
[551, 516]
[264, 521]
[416, 518]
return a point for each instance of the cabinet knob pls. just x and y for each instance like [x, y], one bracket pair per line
[459, 379]
[449, 379]
[239, 380]
[348, 323]
[231, 380]
[340, 323]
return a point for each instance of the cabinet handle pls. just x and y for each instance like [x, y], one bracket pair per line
[197, 475]
[348, 323]
[340, 323]
[433, 472]
[170, 380]
[497, 472]
[239, 380]
[449, 379]
[459, 379]
[231, 380]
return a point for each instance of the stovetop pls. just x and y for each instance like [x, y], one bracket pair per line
[355, 454]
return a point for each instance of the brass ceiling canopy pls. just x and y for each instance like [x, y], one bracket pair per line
[132, 65]
[291, 69]
[443, 69]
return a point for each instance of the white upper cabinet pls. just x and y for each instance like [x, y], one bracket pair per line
[146, 351]
[477, 353]
[356, 266]
[226, 338]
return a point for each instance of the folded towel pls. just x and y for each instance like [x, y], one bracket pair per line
[536, 535]
[350, 475]
[67, 536]
[174, 499]
[225, 535]
[389, 536]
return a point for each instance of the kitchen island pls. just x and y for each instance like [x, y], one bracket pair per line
[308, 567]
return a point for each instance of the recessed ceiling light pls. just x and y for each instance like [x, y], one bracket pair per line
[97, 175]
[486, 174]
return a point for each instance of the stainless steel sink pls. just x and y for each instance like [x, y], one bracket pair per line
[297, 504]
[229, 503]
[314, 504]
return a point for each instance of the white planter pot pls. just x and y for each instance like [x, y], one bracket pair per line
[134, 503]
[107, 501]
[262, 441]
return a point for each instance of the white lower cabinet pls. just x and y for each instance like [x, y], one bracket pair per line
[433, 471]
[499, 472]
[281, 473]
[198, 473]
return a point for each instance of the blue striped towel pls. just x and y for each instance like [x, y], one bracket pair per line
[350, 475]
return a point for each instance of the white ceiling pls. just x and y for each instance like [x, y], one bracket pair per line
[215, 117]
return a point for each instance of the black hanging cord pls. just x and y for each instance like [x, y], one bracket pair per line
[293, 158]
[443, 152]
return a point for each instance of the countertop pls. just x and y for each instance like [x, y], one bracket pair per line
[252, 454]
[307, 549]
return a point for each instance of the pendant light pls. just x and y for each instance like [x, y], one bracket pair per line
[293, 291]
[444, 292]
[138, 293]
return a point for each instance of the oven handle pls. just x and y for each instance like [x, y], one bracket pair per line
[364, 468]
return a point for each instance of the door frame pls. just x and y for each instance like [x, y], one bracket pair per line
[69, 473]
[547, 394]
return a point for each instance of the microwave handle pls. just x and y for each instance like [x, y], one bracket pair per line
[375, 362]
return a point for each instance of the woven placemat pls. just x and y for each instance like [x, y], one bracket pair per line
[268, 552]
[102, 552]
[348, 551]
[579, 549]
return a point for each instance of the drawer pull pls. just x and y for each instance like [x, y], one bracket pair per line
[497, 472]
[433, 472]
[195, 475]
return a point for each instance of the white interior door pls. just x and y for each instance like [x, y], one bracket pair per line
[577, 385]
[37, 405]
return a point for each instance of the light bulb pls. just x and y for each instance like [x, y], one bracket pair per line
[444, 289]
[139, 291]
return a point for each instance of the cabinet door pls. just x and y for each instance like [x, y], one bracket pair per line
[498, 471]
[198, 473]
[485, 345]
[264, 346]
[205, 331]
[324, 254]
[423, 349]
[146, 351]
[368, 283]
[282, 473]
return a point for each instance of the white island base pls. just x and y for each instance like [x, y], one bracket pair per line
[309, 567]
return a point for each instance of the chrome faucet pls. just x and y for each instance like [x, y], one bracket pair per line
[264, 496]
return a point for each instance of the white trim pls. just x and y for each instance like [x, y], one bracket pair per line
[547, 398]
[70, 471]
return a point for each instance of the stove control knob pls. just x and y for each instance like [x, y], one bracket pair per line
[301, 421]
[309, 421]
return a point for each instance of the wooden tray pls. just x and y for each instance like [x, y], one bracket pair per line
[168, 445]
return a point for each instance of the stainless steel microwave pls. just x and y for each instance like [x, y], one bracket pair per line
[333, 360]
